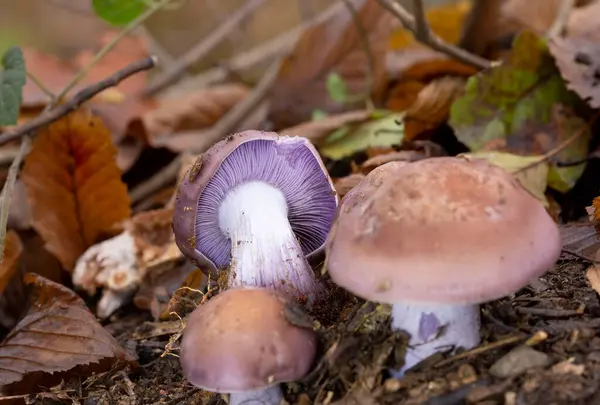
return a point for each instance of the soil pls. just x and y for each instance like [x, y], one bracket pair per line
[538, 347]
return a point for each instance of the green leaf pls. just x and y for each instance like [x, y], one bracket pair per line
[383, 131]
[534, 178]
[523, 107]
[12, 79]
[337, 88]
[119, 12]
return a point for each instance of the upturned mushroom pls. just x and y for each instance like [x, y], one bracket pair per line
[240, 343]
[437, 238]
[260, 205]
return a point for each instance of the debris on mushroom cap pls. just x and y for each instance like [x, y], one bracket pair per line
[240, 340]
[446, 230]
[291, 164]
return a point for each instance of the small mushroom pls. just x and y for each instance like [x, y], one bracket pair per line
[437, 238]
[240, 343]
[261, 204]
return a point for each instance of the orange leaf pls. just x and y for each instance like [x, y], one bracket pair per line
[58, 334]
[74, 185]
[10, 258]
[197, 110]
[432, 106]
[335, 45]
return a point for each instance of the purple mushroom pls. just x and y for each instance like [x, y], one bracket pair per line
[260, 205]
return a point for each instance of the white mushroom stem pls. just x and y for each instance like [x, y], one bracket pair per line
[264, 249]
[268, 396]
[433, 328]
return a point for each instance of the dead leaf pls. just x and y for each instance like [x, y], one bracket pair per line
[579, 62]
[10, 258]
[583, 22]
[301, 85]
[19, 215]
[11, 281]
[518, 361]
[395, 156]
[317, 130]
[593, 276]
[537, 15]
[432, 106]
[57, 338]
[192, 111]
[345, 184]
[74, 185]
[186, 297]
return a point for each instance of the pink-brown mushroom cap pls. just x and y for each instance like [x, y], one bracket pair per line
[198, 177]
[240, 340]
[445, 230]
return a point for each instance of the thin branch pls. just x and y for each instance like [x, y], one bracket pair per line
[82, 96]
[7, 190]
[155, 6]
[562, 146]
[364, 38]
[202, 49]
[41, 86]
[224, 126]
[561, 19]
[263, 53]
[424, 34]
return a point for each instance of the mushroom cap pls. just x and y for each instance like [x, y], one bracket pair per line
[441, 230]
[240, 340]
[292, 164]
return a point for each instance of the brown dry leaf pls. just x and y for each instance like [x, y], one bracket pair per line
[537, 15]
[57, 338]
[432, 106]
[74, 185]
[593, 276]
[333, 46]
[317, 130]
[579, 62]
[10, 258]
[193, 111]
[344, 184]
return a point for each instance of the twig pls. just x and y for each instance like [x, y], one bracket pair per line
[41, 86]
[263, 53]
[479, 28]
[422, 32]
[364, 38]
[82, 96]
[580, 256]
[480, 349]
[563, 145]
[561, 18]
[202, 49]
[224, 126]
[155, 6]
[7, 191]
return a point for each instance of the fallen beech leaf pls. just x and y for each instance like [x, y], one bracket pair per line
[579, 62]
[383, 130]
[188, 294]
[344, 184]
[57, 336]
[523, 107]
[10, 258]
[12, 293]
[533, 179]
[301, 85]
[593, 276]
[193, 111]
[432, 106]
[537, 15]
[316, 131]
[121, 264]
[583, 21]
[74, 185]
[395, 156]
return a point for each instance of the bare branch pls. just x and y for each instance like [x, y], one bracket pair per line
[84, 95]
[203, 48]
[422, 32]
[223, 127]
[561, 18]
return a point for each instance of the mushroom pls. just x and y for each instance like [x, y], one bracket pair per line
[240, 342]
[261, 204]
[436, 239]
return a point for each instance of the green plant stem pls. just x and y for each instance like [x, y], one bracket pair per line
[153, 8]
[41, 86]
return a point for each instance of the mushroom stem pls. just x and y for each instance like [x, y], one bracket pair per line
[434, 327]
[268, 396]
[264, 250]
